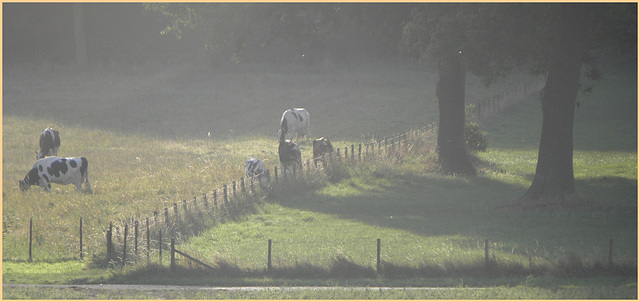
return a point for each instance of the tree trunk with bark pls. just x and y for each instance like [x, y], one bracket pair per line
[452, 153]
[554, 179]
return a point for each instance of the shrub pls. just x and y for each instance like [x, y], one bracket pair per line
[474, 138]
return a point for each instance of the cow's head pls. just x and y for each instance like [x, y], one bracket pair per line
[23, 185]
[29, 180]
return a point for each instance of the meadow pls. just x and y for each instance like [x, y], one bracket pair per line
[146, 137]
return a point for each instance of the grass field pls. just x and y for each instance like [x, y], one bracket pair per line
[147, 151]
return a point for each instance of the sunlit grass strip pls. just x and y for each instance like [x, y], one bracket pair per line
[307, 238]
[132, 176]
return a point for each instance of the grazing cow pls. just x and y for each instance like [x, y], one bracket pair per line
[254, 167]
[321, 146]
[49, 143]
[294, 121]
[58, 170]
[290, 156]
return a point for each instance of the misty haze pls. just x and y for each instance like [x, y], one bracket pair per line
[454, 150]
[139, 80]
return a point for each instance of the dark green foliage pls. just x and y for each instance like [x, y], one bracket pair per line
[474, 138]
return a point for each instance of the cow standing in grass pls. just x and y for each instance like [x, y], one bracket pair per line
[254, 167]
[290, 156]
[49, 143]
[58, 170]
[294, 121]
[321, 146]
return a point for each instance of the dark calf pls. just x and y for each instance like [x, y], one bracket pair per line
[49, 143]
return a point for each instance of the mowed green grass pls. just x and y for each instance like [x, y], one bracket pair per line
[421, 217]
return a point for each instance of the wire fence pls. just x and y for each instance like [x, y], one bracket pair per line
[498, 103]
[150, 237]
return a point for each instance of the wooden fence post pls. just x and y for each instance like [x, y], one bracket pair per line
[234, 189]
[352, 152]
[81, 255]
[486, 252]
[184, 206]
[148, 242]
[166, 216]
[124, 247]
[175, 210]
[224, 194]
[30, 238]
[242, 189]
[204, 201]
[215, 198]
[109, 241]
[135, 242]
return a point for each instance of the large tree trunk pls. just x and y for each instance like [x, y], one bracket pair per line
[452, 153]
[554, 181]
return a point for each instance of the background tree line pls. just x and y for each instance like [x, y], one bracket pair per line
[221, 34]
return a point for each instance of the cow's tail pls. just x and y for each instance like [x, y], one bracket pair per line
[84, 171]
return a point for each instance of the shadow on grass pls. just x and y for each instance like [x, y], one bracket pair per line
[474, 208]
[228, 274]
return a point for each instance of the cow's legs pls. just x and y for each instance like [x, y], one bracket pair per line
[87, 184]
[46, 185]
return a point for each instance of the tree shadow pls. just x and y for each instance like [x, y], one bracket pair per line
[474, 208]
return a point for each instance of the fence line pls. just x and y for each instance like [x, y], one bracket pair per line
[498, 103]
[234, 199]
[121, 257]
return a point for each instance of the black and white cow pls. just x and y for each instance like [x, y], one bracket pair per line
[290, 156]
[321, 146]
[49, 143]
[58, 170]
[294, 121]
[254, 167]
